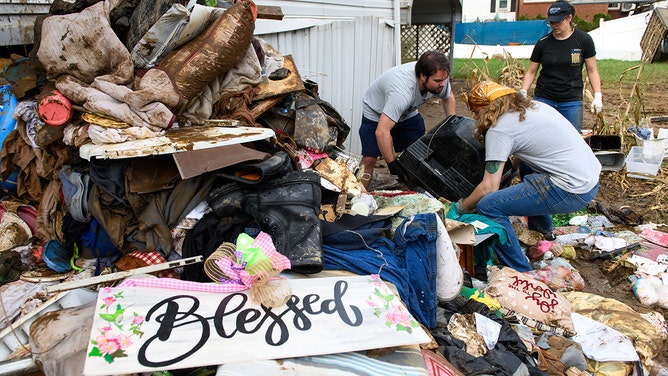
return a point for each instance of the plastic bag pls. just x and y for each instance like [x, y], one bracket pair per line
[558, 274]
[650, 291]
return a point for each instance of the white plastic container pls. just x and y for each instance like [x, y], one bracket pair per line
[655, 146]
[637, 162]
[653, 149]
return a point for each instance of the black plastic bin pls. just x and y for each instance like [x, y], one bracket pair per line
[447, 161]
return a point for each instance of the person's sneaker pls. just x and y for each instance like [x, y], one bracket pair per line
[78, 206]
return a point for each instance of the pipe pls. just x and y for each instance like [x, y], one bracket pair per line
[397, 32]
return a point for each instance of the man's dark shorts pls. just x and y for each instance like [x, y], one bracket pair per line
[404, 134]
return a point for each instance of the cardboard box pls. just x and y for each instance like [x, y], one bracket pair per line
[460, 232]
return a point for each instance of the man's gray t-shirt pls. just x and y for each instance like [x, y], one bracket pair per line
[547, 143]
[395, 93]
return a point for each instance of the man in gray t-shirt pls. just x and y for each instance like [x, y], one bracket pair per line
[390, 118]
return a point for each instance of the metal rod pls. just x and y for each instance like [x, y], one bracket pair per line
[124, 274]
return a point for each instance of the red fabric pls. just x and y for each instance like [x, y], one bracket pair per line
[153, 258]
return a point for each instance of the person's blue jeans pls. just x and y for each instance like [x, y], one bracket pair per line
[536, 195]
[571, 110]
[540, 223]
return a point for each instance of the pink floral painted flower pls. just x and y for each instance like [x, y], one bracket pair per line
[109, 300]
[110, 345]
[400, 317]
[106, 290]
[107, 345]
[137, 320]
[123, 341]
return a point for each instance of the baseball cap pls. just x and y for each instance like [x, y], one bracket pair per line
[558, 11]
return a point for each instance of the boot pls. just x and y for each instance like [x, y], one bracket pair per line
[287, 209]
[226, 200]
[273, 167]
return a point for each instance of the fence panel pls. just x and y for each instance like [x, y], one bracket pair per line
[501, 33]
[416, 39]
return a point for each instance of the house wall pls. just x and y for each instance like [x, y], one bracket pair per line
[342, 55]
[479, 10]
[17, 20]
[332, 8]
[531, 9]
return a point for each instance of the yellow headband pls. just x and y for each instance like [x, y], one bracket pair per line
[485, 92]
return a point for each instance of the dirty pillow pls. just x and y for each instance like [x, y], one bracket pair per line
[521, 293]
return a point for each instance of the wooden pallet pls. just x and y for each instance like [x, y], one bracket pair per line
[655, 33]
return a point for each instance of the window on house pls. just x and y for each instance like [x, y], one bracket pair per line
[614, 6]
[499, 6]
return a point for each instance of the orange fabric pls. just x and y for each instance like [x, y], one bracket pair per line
[484, 92]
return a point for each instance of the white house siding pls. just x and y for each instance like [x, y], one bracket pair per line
[342, 55]
[478, 10]
[331, 8]
[17, 20]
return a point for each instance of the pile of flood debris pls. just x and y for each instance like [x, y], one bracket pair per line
[172, 187]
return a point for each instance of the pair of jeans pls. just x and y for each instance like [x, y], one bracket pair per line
[408, 260]
[536, 195]
[540, 223]
[571, 110]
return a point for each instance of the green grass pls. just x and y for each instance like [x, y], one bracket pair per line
[610, 70]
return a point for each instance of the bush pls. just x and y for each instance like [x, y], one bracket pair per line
[587, 26]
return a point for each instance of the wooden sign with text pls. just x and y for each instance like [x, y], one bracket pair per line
[143, 329]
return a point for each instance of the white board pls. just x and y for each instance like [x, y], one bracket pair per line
[144, 329]
[177, 140]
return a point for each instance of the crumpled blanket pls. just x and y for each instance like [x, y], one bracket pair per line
[247, 72]
[100, 135]
[89, 64]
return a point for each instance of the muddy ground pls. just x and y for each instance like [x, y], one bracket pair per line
[646, 197]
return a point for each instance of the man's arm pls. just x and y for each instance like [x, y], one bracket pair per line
[384, 138]
[449, 105]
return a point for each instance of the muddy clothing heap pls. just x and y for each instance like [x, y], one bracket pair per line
[147, 134]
